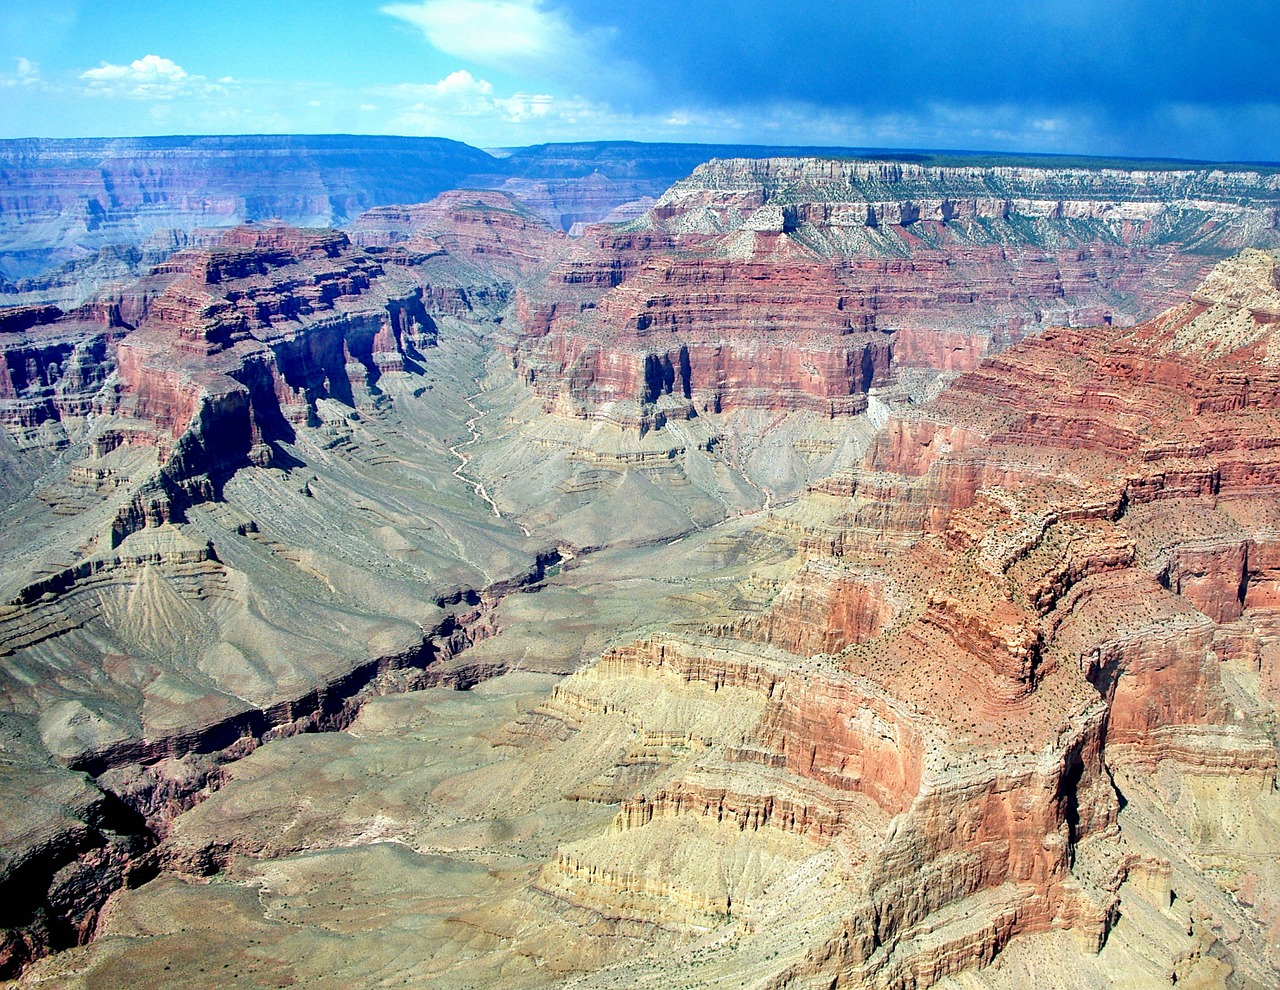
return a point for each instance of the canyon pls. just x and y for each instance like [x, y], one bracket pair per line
[821, 572]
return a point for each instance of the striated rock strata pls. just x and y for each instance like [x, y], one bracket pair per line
[832, 273]
[1007, 679]
[217, 534]
[1010, 699]
[64, 199]
[1058, 575]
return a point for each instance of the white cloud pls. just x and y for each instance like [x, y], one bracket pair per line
[149, 68]
[457, 94]
[534, 41]
[527, 106]
[148, 78]
[493, 32]
[467, 108]
[27, 73]
[459, 85]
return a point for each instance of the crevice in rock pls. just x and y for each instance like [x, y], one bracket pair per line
[52, 901]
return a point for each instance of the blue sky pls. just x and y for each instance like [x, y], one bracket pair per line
[1180, 78]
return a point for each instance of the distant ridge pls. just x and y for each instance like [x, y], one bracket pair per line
[616, 159]
[63, 200]
[527, 160]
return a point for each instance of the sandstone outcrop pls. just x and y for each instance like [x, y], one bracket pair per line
[863, 267]
[488, 229]
[717, 335]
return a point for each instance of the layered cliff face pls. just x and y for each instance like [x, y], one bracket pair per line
[1103, 502]
[86, 203]
[54, 365]
[63, 199]
[1055, 577]
[1001, 683]
[489, 229]
[717, 335]
[231, 346]
[580, 183]
[1000, 693]
[877, 265]
[879, 203]
[234, 509]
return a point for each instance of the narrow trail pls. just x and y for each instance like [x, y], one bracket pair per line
[459, 451]
[741, 461]
[735, 459]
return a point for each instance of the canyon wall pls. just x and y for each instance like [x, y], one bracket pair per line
[901, 729]
[64, 201]
[1059, 571]
[876, 265]
[184, 567]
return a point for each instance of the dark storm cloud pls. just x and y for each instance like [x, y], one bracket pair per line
[898, 54]
[1117, 60]
[1175, 78]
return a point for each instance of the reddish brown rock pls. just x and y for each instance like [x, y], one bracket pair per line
[1062, 567]
[821, 610]
[63, 198]
[52, 367]
[743, 251]
[486, 229]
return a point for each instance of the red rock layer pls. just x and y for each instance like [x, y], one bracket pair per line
[274, 317]
[1066, 561]
[487, 229]
[234, 346]
[997, 852]
[716, 333]
[735, 255]
[835, 732]
[819, 611]
[53, 364]
[1073, 466]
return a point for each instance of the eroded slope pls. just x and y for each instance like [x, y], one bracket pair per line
[1004, 691]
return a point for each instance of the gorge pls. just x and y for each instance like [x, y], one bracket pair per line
[859, 573]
